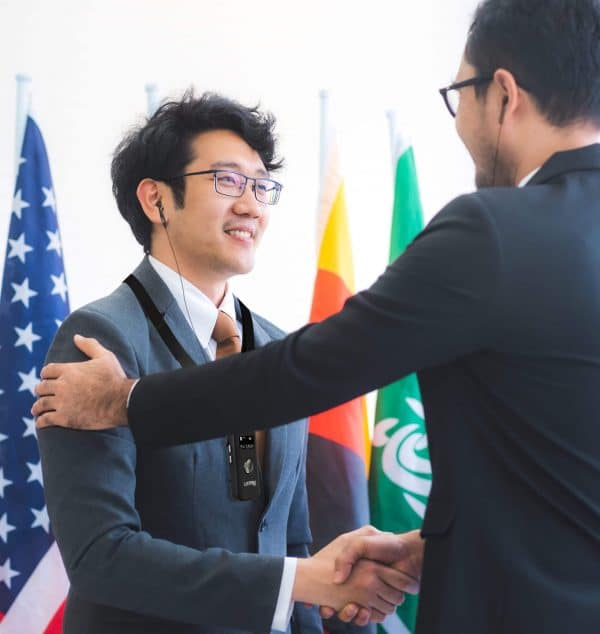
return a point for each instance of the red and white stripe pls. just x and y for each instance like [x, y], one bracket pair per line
[38, 607]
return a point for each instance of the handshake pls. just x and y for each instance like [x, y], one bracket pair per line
[362, 576]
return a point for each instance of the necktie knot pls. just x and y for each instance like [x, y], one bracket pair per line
[226, 334]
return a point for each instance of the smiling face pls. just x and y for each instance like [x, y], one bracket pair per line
[215, 236]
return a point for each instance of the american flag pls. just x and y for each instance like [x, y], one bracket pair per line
[34, 300]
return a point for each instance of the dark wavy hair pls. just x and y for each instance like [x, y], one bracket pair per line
[162, 147]
[552, 47]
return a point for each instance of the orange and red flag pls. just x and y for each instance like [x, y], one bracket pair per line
[338, 444]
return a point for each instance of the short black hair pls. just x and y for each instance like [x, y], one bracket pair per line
[162, 147]
[552, 47]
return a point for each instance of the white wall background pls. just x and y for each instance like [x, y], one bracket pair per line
[90, 60]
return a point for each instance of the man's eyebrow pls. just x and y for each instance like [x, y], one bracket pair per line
[237, 167]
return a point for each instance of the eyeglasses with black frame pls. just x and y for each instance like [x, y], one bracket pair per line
[451, 94]
[230, 183]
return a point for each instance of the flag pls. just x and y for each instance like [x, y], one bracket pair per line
[400, 477]
[34, 300]
[338, 441]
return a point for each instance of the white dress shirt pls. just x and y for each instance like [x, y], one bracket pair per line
[529, 176]
[202, 312]
[203, 315]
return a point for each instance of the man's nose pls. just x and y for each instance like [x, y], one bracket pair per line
[247, 204]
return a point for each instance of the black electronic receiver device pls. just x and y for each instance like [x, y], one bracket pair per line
[244, 469]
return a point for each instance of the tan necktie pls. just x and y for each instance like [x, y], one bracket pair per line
[228, 340]
[226, 334]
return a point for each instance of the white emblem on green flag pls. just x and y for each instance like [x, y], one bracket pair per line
[404, 460]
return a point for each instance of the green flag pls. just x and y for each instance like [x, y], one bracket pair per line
[400, 478]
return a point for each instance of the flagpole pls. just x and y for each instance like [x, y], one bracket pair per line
[399, 142]
[152, 98]
[324, 128]
[392, 117]
[22, 110]
[324, 147]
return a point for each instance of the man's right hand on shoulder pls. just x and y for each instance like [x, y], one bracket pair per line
[86, 395]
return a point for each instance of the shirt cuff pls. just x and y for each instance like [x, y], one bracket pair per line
[285, 605]
[131, 392]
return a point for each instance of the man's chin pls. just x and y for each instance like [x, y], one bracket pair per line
[241, 268]
[483, 180]
[502, 176]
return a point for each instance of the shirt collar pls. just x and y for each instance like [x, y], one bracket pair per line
[529, 176]
[202, 311]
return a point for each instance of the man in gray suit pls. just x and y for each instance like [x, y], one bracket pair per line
[154, 539]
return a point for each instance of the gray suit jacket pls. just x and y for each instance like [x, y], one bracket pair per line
[151, 538]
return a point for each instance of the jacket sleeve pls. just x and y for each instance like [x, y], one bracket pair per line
[89, 482]
[431, 306]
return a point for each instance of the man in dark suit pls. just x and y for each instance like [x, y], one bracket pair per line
[496, 304]
[157, 540]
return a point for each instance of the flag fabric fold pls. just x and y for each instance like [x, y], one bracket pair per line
[33, 302]
[400, 474]
[338, 443]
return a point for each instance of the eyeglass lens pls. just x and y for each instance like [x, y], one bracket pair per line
[233, 184]
[453, 97]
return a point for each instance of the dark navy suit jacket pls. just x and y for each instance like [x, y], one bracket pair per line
[151, 539]
[496, 304]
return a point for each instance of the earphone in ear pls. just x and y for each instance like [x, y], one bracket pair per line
[504, 104]
[161, 212]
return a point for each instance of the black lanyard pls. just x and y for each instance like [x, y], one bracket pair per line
[177, 350]
[241, 453]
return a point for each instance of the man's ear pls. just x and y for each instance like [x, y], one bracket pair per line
[150, 195]
[508, 94]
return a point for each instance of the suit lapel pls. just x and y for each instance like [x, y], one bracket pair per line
[166, 304]
[276, 453]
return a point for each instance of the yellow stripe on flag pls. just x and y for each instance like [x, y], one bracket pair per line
[335, 254]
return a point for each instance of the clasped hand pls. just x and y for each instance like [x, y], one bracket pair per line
[362, 576]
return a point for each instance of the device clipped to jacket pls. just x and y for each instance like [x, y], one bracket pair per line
[243, 465]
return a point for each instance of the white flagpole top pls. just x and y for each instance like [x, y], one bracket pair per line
[330, 175]
[399, 140]
[22, 110]
[324, 132]
[152, 97]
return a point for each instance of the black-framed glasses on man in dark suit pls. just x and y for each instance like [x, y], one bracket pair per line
[451, 94]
